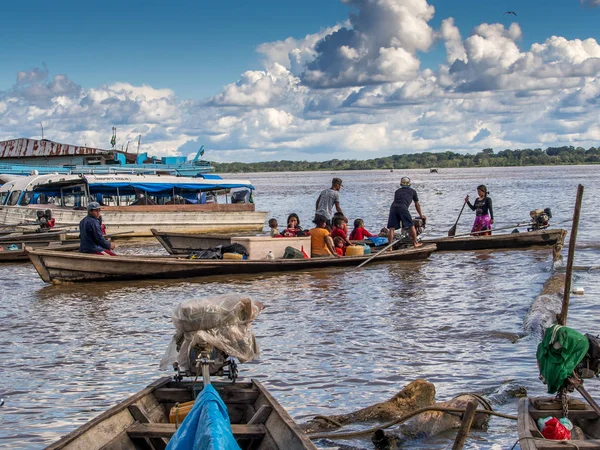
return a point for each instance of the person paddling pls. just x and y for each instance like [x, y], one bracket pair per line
[399, 214]
[484, 213]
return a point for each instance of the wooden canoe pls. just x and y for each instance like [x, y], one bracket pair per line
[57, 267]
[258, 421]
[530, 437]
[498, 241]
[27, 236]
[8, 253]
[186, 243]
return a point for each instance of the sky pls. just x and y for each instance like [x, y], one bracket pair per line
[311, 80]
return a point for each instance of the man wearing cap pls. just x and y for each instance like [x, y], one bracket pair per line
[329, 199]
[91, 239]
[399, 215]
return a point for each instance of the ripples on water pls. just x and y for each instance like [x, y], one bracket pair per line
[331, 341]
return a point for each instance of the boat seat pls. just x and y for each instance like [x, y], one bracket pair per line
[167, 430]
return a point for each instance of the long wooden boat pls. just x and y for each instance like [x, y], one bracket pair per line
[15, 251]
[258, 421]
[580, 414]
[57, 267]
[497, 241]
[30, 236]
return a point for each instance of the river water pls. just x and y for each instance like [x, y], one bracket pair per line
[331, 340]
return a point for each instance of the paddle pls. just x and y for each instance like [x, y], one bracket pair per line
[452, 231]
[402, 236]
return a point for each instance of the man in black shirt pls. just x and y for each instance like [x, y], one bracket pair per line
[399, 215]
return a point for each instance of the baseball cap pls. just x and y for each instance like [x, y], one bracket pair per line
[93, 205]
[405, 181]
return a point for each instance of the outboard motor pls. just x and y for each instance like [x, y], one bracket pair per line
[539, 219]
[404, 240]
[211, 332]
[45, 219]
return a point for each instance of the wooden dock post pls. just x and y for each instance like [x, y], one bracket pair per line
[562, 318]
[465, 426]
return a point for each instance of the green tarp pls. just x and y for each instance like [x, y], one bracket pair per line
[559, 352]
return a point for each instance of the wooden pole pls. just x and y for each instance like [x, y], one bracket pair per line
[562, 318]
[465, 426]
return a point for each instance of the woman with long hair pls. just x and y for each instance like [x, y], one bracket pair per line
[484, 214]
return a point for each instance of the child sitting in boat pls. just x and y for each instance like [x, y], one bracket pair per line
[338, 230]
[338, 243]
[293, 226]
[360, 232]
[273, 226]
[321, 244]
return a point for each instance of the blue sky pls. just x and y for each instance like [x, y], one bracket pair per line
[280, 80]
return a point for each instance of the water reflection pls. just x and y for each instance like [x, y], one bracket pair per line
[331, 340]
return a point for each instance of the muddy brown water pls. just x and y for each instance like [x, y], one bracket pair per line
[331, 340]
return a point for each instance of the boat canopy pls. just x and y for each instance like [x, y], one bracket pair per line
[23, 191]
[107, 184]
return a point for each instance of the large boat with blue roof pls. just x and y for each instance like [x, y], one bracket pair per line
[133, 204]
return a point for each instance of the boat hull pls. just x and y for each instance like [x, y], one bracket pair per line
[258, 421]
[500, 241]
[530, 438]
[58, 267]
[136, 221]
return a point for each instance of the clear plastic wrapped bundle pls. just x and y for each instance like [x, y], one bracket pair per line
[223, 322]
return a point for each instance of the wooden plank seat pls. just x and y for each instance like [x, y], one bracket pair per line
[167, 430]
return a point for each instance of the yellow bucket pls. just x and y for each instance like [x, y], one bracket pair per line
[178, 413]
[355, 250]
[232, 256]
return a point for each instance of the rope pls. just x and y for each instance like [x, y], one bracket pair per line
[531, 438]
[401, 419]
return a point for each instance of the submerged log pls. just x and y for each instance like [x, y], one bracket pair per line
[430, 423]
[418, 394]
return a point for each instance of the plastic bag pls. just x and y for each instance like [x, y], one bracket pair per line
[224, 322]
[556, 430]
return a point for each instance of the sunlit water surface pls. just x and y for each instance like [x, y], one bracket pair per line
[331, 340]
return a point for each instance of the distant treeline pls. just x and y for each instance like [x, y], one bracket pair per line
[486, 158]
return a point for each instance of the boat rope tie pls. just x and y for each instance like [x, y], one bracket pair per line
[532, 438]
[401, 419]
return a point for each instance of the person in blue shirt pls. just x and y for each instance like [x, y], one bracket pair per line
[91, 239]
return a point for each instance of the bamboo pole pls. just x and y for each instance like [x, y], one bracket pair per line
[562, 318]
[465, 426]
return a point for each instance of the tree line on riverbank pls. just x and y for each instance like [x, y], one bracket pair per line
[567, 155]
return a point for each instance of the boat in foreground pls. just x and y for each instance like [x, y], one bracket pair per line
[500, 241]
[142, 421]
[580, 414]
[57, 267]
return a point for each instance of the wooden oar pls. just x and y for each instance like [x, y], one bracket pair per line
[402, 236]
[452, 231]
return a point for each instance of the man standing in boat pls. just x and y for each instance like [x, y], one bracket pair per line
[91, 239]
[329, 199]
[400, 215]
